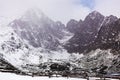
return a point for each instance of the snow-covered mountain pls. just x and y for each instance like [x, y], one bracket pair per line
[34, 43]
[39, 30]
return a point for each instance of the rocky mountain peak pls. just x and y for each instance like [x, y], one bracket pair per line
[109, 19]
[94, 27]
[72, 25]
[112, 17]
[39, 30]
[93, 15]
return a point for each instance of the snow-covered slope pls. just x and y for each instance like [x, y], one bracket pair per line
[39, 30]
[19, 53]
[97, 59]
[11, 46]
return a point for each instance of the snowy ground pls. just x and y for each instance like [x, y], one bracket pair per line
[9, 76]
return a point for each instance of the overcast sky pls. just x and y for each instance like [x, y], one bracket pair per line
[62, 10]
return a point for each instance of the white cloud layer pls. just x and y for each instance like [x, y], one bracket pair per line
[62, 10]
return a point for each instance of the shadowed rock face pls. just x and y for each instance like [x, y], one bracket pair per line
[108, 36]
[86, 31]
[72, 25]
[40, 31]
[89, 31]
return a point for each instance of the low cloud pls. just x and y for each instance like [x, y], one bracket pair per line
[62, 10]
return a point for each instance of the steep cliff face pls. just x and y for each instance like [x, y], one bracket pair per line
[85, 33]
[108, 36]
[88, 31]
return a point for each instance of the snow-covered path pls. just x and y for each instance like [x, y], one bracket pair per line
[10, 76]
